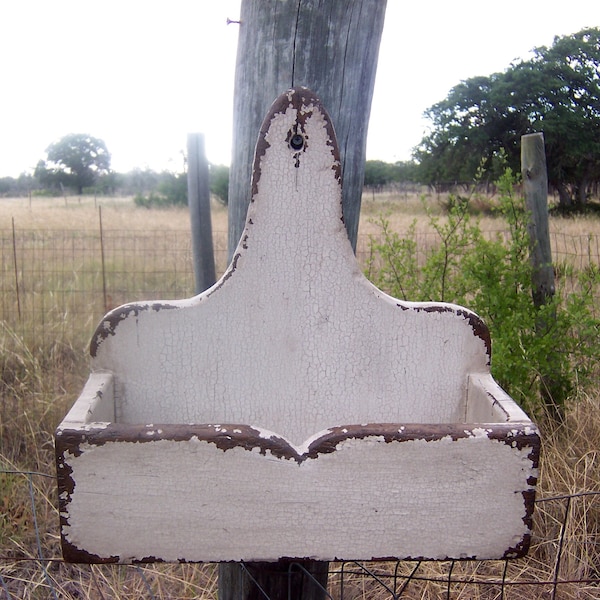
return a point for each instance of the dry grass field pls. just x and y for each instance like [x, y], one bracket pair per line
[43, 365]
[81, 214]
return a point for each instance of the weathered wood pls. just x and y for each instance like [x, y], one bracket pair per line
[535, 186]
[330, 47]
[281, 580]
[293, 410]
[199, 205]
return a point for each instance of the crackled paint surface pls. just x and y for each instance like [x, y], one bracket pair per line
[368, 499]
[293, 338]
[237, 413]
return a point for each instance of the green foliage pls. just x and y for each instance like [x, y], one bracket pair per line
[75, 160]
[105, 184]
[537, 352]
[5, 185]
[556, 92]
[19, 186]
[139, 181]
[173, 188]
[219, 182]
[170, 191]
[49, 179]
[379, 173]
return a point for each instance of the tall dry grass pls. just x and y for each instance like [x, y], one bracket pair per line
[39, 380]
[81, 214]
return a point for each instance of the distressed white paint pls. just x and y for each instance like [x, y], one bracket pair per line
[367, 499]
[95, 405]
[293, 341]
[487, 402]
[294, 337]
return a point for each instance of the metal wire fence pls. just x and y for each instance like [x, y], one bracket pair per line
[38, 571]
[56, 283]
[54, 287]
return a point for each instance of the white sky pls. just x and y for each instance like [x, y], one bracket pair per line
[141, 74]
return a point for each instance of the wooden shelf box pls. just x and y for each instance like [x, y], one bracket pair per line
[293, 409]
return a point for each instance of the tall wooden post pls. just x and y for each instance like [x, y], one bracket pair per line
[199, 205]
[332, 48]
[535, 186]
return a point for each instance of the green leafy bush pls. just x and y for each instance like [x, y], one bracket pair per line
[219, 182]
[539, 353]
[170, 191]
[152, 200]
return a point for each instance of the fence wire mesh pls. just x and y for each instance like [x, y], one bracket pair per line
[56, 283]
[54, 287]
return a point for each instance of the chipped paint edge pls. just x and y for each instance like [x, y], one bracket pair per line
[70, 437]
[305, 102]
[70, 444]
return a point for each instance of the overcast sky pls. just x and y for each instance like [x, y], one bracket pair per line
[141, 74]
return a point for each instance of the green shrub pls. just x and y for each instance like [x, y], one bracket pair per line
[173, 188]
[219, 182]
[152, 200]
[539, 353]
[170, 191]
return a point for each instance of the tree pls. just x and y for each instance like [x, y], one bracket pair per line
[219, 182]
[556, 92]
[171, 189]
[75, 160]
[47, 178]
[377, 173]
[20, 186]
[139, 181]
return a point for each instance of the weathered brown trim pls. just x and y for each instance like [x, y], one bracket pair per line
[304, 101]
[111, 320]
[520, 549]
[73, 554]
[480, 329]
[233, 435]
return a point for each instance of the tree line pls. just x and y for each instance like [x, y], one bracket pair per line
[474, 133]
[476, 130]
[478, 126]
[80, 163]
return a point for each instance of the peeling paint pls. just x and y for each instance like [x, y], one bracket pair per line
[415, 477]
[294, 381]
[110, 321]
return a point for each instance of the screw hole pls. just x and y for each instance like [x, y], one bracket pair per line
[297, 141]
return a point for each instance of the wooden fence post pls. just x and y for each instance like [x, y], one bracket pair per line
[283, 580]
[333, 50]
[535, 187]
[199, 205]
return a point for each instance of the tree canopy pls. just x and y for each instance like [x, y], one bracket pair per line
[379, 173]
[556, 91]
[75, 160]
[218, 177]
